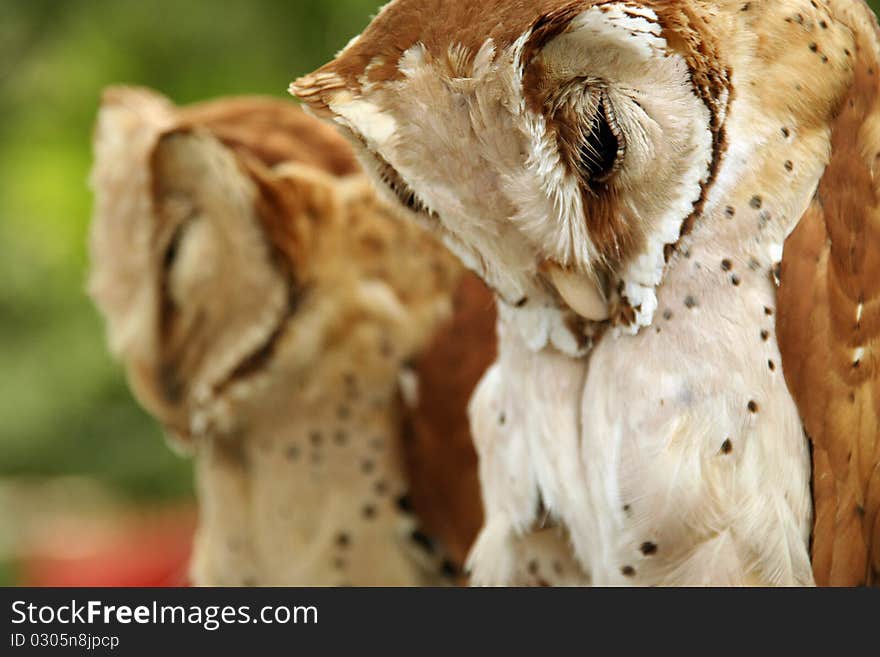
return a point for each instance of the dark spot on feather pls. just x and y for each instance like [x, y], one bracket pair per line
[422, 540]
[648, 548]
[448, 569]
[404, 503]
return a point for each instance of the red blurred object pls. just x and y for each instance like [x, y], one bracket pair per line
[146, 549]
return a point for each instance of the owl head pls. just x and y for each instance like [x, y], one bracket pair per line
[567, 150]
[199, 249]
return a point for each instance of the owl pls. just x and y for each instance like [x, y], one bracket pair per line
[290, 332]
[675, 204]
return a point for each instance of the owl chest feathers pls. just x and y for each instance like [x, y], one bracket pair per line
[660, 453]
[677, 456]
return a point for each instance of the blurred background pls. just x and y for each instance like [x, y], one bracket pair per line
[89, 491]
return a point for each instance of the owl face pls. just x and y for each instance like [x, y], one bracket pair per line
[599, 154]
[548, 141]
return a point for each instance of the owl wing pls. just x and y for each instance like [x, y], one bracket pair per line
[440, 457]
[829, 328]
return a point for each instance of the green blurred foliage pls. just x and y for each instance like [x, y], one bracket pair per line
[64, 406]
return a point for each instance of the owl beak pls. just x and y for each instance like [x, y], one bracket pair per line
[581, 292]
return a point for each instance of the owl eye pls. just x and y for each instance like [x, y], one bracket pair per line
[600, 153]
[169, 257]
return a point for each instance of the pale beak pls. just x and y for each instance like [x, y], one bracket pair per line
[580, 291]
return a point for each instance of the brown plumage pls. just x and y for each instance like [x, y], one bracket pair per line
[274, 314]
[656, 165]
[439, 448]
[829, 327]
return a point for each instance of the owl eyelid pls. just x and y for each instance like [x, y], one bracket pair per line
[604, 156]
[172, 248]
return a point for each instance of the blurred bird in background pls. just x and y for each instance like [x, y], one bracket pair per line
[312, 351]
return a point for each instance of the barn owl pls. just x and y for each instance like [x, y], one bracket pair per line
[675, 204]
[285, 328]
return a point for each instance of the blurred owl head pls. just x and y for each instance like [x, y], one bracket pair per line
[200, 249]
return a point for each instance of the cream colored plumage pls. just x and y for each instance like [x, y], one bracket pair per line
[625, 175]
[267, 305]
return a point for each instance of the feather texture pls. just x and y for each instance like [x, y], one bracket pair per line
[661, 435]
[267, 305]
[829, 326]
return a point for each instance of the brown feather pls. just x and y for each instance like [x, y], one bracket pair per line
[439, 452]
[272, 130]
[829, 329]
